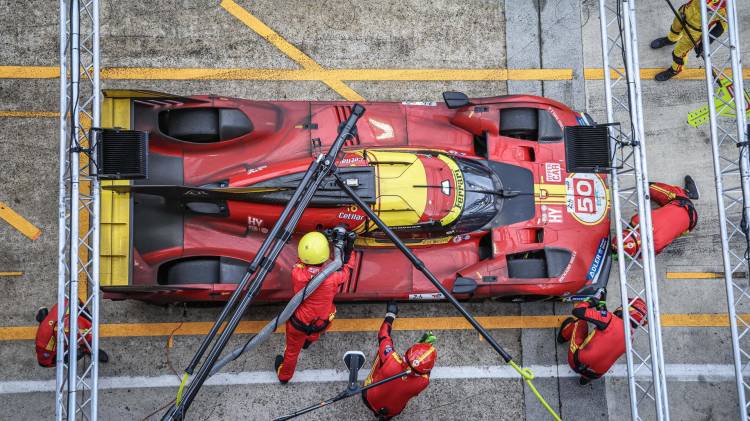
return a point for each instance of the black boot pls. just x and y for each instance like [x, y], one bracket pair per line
[306, 344]
[665, 75]
[583, 381]
[661, 43]
[103, 357]
[276, 364]
[691, 188]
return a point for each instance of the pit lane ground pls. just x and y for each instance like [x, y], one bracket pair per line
[453, 36]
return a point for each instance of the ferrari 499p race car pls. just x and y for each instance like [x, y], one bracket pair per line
[480, 189]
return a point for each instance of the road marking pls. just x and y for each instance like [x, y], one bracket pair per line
[29, 114]
[322, 74]
[287, 48]
[702, 275]
[675, 372]
[117, 330]
[11, 273]
[19, 222]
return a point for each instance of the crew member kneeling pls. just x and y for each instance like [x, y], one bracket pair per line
[46, 337]
[315, 314]
[593, 352]
[389, 399]
[674, 217]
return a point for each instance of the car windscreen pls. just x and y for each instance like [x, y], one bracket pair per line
[480, 205]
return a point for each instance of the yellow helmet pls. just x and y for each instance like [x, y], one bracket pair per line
[313, 248]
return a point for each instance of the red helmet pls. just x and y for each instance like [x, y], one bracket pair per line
[638, 311]
[631, 242]
[421, 357]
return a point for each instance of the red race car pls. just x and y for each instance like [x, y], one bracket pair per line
[482, 190]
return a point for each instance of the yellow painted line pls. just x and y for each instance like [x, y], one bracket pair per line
[29, 72]
[701, 275]
[119, 330]
[11, 273]
[19, 222]
[29, 114]
[319, 73]
[287, 48]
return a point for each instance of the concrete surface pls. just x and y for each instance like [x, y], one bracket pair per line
[376, 34]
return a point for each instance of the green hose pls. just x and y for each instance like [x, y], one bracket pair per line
[528, 376]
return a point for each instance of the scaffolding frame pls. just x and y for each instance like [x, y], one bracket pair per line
[629, 187]
[723, 61]
[78, 243]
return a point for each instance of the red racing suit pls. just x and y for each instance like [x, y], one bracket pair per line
[389, 399]
[46, 337]
[674, 217]
[591, 354]
[313, 316]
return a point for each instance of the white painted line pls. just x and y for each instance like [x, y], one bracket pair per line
[675, 372]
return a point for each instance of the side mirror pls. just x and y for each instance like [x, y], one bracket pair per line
[464, 286]
[354, 360]
[455, 99]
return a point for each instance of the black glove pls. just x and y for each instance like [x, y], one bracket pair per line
[391, 309]
[349, 245]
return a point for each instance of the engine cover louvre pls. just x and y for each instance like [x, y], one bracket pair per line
[121, 154]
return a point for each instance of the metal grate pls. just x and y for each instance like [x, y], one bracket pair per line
[587, 149]
[122, 154]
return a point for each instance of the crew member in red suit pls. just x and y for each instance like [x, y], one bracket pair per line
[389, 399]
[594, 350]
[315, 314]
[674, 217]
[46, 337]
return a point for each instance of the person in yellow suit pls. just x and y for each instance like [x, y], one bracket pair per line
[685, 33]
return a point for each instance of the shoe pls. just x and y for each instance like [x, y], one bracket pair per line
[661, 43]
[665, 75]
[560, 338]
[306, 344]
[276, 365]
[583, 381]
[103, 357]
[41, 314]
[691, 188]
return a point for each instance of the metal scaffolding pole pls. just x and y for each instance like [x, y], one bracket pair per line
[78, 246]
[629, 186]
[727, 107]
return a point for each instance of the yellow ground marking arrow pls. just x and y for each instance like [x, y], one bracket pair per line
[287, 48]
[19, 222]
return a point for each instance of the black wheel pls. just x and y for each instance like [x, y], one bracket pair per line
[521, 123]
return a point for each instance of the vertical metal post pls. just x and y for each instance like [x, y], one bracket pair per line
[76, 381]
[629, 186]
[732, 173]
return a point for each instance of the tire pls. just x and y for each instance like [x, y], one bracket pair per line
[527, 268]
[521, 123]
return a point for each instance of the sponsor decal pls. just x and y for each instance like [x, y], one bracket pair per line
[597, 263]
[570, 265]
[457, 239]
[256, 169]
[351, 159]
[256, 225]
[422, 103]
[459, 177]
[552, 214]
[196, 193]
[587, 198]
[351, 214]
[552, 172]
[388, 349]
[432, 296]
